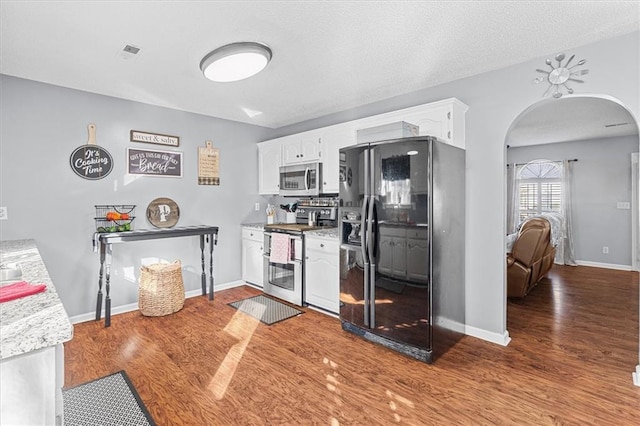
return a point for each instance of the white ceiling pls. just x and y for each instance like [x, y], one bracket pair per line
[327, 56]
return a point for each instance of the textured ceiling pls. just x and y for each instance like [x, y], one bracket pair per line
[328, 56]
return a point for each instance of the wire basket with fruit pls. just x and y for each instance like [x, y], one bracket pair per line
[114, 217]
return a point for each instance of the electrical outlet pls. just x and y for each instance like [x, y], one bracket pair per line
[257, 207]
[623, 205]
[4, 214]
[605, 250]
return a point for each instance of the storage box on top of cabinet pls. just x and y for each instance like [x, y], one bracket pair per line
[400, 129]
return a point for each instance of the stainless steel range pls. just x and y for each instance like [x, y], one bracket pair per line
[284, 248]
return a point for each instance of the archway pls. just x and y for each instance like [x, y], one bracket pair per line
[568, 119]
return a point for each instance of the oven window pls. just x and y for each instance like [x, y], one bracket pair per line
[281, 275]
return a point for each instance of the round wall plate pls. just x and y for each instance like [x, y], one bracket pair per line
[163, 213]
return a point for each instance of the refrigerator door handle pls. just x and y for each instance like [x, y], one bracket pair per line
[371, 229]
[363, 227]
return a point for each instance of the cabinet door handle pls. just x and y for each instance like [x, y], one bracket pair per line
[251, 234]
[321, 245]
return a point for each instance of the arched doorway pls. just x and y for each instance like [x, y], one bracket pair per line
[580, 117]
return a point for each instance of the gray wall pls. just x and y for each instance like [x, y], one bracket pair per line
[495, 100]
[602, 177]
[42, 124]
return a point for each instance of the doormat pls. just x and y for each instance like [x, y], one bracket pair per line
[265, 309]
[107, 401]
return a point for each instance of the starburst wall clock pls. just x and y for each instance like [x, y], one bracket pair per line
[558, 76]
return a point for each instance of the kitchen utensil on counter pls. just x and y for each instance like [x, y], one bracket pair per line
[91, 161]
[271, 214]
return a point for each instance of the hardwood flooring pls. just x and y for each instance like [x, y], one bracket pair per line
[574, 347]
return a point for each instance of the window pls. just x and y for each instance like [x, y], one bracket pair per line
[539, 188]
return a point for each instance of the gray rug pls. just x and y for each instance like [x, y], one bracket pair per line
[265, 309]
[108, 401]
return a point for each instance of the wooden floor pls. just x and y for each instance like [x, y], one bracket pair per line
[574, 347]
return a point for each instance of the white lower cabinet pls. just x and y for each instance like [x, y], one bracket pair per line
[252, 250]
[322, 273]
[31, 388]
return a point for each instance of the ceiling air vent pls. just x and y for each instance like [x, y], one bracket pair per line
[131, 49]
[129, 52]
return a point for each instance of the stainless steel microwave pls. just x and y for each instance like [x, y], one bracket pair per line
[301, 179]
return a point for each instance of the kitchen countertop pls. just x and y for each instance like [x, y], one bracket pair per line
[254, 225]
[33, 322]
[328, 232]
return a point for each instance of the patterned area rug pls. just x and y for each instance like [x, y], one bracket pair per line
[265, 309]
[107, 401]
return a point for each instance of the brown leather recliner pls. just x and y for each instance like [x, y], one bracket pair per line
[531, 257]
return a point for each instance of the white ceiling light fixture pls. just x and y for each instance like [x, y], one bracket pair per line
[235, 61]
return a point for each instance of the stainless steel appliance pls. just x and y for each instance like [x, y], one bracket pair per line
[301, 179]
[285, 280]
[402, 245]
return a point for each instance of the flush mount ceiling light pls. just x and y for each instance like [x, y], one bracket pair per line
[235, 61]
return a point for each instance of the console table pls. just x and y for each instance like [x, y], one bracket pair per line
[106, 240]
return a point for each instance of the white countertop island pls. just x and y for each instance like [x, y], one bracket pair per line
[32, 331]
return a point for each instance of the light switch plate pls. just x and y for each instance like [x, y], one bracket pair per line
[4, 214]
[257, 207]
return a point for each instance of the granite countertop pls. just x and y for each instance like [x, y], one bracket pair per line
[254, 225]
[32, 322]
[328, 233]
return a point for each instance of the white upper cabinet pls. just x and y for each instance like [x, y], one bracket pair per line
[443, 119]
[269, 162]
[296, 149]
[332, 141]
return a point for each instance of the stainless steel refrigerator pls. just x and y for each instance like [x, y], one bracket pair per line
[402, 244]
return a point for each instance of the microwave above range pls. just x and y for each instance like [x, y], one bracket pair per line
[301, 179]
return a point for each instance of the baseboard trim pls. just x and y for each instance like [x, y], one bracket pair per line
[500, 339]
[91, 316]
[636, 376]
[604, 265]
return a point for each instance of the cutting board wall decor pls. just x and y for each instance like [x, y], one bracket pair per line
[208, 164]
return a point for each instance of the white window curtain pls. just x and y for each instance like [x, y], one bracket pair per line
[568, 254]
[513, 204]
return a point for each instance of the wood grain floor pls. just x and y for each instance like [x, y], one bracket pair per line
[574, 347]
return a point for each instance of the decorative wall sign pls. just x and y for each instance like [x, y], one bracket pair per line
[163, 213]
[91, 161]
[158, 139]
[154, 163]
[559, 76]
[208, 164]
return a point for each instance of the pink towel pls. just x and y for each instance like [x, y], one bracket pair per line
[280, 248]
[19, 289]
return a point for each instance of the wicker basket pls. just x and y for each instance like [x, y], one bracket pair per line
[161, 290]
